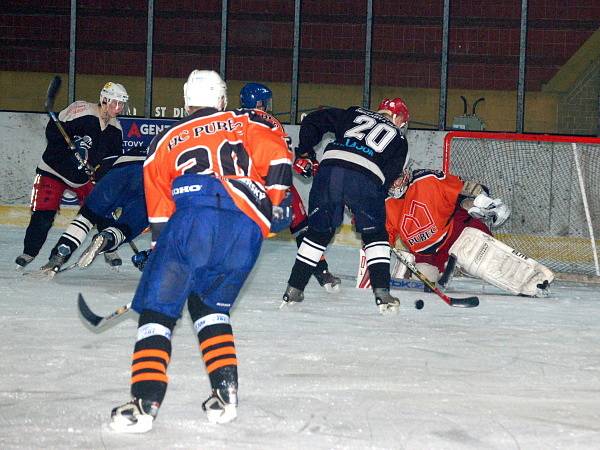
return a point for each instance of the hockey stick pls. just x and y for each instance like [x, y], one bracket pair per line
[468, 302]
[53, 88]
[98, 321]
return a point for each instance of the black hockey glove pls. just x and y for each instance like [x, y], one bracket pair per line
[140, 259]
[83, 144]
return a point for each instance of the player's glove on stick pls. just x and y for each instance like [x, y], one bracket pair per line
[140, 259]
[306, 165]
[282, 214]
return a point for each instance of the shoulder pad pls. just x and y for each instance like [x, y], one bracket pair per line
[78, 109]
[264, 118]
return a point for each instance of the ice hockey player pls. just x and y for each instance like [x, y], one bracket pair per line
[97, 134]
[259, 96]
[369, 152]
[211, 181]
[122, 188]
[433, 214]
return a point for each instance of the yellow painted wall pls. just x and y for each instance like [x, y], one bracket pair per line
[26, 91]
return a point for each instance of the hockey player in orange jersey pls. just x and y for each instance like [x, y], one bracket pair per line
[432, 215]
[212, 182]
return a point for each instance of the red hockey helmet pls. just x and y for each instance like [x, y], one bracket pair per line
[397, 107]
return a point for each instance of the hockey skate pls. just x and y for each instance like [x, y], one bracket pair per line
[56, 261]
[218, 410]
[135, 416]
[292, 295]
[387, 303]
[113, 259]
[23, 260]
[102, 241]
[327, 280]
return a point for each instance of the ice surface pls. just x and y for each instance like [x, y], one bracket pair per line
[330, 373]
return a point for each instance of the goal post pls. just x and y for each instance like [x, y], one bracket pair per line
[551, 183]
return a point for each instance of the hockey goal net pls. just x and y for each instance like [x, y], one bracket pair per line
[552, 185]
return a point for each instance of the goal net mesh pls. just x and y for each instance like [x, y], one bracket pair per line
[538, 178]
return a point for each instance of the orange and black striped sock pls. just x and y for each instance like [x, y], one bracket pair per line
[215, 337]
[220, 358]
[151, 356]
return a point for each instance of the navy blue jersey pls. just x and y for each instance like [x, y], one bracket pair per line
[81, 121]
[364, 140]
[122, 187]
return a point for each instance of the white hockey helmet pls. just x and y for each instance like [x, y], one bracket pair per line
[114, 91]
[205, 88]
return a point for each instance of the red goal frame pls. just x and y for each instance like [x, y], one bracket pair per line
[508, 137]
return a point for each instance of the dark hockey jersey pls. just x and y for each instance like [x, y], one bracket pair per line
[364, 140]
[81, 121]
[133, 156]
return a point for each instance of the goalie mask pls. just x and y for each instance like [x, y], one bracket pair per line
[114, 95]
[400, 184]
[205, 88]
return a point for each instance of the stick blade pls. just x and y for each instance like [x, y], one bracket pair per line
[53, 88]
[87, 313]
[467, 302]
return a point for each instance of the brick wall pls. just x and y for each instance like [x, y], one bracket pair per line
[484, 39]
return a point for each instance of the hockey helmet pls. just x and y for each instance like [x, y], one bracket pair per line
[205, 88]
[256, 95]
[397, 108]
[114, 93]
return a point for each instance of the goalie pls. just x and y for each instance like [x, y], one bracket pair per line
[433, 215]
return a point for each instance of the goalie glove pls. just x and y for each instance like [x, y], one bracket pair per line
[488, 209]
[306, 165]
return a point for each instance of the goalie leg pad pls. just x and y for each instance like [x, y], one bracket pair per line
[430, 271]
[481, 255]
[397, 269]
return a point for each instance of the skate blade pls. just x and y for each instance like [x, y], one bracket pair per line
[331, 289]
[389, 310]
[41, 274]
[220, 416]
[122, 425]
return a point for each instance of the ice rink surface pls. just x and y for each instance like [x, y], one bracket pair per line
[330, 373]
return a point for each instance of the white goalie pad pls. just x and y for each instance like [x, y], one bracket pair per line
[482, 256]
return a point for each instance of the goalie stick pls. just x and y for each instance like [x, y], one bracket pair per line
[53, 88]
[98, 321]
[468, 302]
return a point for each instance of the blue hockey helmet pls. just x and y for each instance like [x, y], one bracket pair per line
[256, 95]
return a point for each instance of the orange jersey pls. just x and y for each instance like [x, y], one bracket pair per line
[422, 218]
[245, 149]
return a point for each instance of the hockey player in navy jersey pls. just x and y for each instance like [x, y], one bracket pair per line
[97, 134]
[259, 96]
[369, 152]
[121, 188]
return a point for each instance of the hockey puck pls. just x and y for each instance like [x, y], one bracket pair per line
[419, 304]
